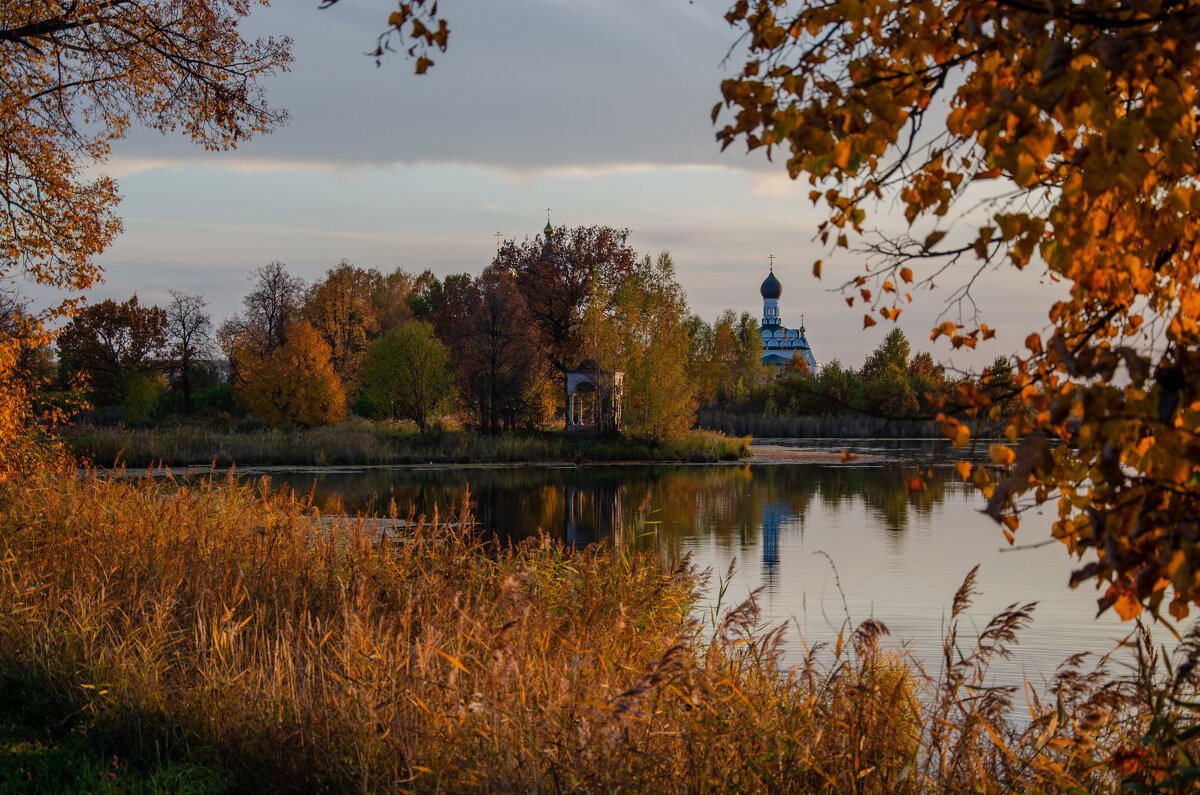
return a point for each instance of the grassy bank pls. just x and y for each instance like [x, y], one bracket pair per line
[363, 442]
[206, 639]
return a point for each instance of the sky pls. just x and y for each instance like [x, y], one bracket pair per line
[599, 110]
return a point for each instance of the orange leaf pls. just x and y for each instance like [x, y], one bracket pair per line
[1001, 455]
[1127, 605]
[964, 469]
[906, 274]
[841, 154]
[868, 321]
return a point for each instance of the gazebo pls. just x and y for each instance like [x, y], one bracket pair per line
[594, 398]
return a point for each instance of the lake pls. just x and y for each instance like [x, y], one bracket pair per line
[823, 541]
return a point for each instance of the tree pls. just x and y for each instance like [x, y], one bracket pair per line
[273, 304]
[33, 363]
[500, 350]
[393, 296]
[884, 374]
[189, 330]
[339, 307]
[892, 353]
[650, 314]
[76, 76]
[1086, 116]
[293, 384]
[406, 373]
[416, 24]
[115, 347]
[270, 308]
[557, 276]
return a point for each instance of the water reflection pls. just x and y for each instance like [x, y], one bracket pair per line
[825, 544]
[740, 506]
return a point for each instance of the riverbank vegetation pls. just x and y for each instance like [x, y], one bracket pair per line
[364, 442]
[204, 638]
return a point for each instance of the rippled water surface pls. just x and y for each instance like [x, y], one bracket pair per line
[823, 542]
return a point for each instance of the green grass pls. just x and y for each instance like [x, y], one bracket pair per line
[48, 745]
[361, 443]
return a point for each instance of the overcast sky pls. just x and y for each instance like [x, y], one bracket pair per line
[597, 109]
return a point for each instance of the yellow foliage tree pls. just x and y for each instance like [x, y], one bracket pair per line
[650, 316]
[1076, 124]
[76, 76]
[339, 308]
[294, 384]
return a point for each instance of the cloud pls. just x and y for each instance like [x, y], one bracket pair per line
[528, 87]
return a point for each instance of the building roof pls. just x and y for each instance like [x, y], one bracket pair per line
[771, 288]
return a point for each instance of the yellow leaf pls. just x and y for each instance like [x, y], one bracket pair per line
[964, 469]
[817, 268]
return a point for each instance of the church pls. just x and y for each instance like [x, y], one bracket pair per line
[778, 342]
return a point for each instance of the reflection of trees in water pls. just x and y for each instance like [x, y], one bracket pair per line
[738, 507]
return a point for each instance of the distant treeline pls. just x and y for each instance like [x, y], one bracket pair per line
[488, 351]
[894, 394]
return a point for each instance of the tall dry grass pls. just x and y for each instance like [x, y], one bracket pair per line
[226, 623]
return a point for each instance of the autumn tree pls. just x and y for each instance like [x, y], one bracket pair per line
[1074, 124]
[500, 350]
[116, 348]
[270, 307]
[650, 315]
[729, 365]
[33, 363]
[406, 373]
[340, 308]
[556, 275]
[394, 294]
[189, 332]
[293, 384]
[447, 305]
[76, 76]
[273, 304]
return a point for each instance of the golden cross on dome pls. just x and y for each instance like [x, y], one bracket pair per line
[498, 236]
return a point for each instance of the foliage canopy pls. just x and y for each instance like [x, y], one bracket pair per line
[1085, 116]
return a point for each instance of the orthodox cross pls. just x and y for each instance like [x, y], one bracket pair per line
[547, 215]
[771, 257]
[498, 235]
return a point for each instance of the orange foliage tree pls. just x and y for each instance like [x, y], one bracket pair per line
[339, 308]
[293, 384]
[1075, 123]
[76, 76]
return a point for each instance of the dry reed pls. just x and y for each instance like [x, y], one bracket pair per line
[314, 655]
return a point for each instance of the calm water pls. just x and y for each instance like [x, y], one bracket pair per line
[795, 530]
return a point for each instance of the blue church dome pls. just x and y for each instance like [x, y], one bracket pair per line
[771, 288]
